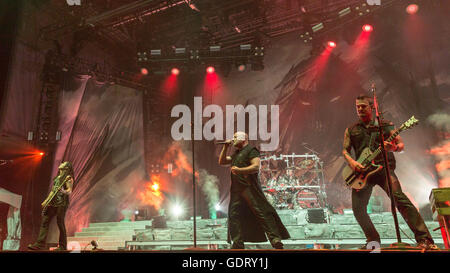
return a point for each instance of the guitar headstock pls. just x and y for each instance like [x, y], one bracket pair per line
[409, 123]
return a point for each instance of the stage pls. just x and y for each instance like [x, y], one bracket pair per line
[142, 125]
[338, 232]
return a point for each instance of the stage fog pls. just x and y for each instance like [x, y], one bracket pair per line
[118, 136]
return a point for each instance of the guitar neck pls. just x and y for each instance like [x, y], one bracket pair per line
[53, 193]
[378, 151]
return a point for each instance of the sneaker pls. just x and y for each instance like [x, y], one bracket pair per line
[35, 246]
[426, 244]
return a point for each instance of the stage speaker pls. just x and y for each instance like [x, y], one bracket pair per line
[316, 216]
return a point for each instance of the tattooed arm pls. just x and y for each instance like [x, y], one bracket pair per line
[346, 152]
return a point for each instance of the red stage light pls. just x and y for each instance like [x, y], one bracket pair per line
[332, 44]
[241, 67]
[175, 71]
[367, 28]
[210, 69]
[412, 9]
[144, 71]
[41, 154]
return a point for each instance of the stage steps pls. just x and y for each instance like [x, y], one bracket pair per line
[108, 235]
[341, 229]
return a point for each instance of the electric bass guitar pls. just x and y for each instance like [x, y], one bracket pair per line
[358, 179]
[53, 193]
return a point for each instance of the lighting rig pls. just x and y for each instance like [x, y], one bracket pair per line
[344, 19]
[159, 61]
[103, 72]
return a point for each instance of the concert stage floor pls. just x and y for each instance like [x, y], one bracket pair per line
[339, 232]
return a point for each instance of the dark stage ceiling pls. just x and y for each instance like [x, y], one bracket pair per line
[131, 25]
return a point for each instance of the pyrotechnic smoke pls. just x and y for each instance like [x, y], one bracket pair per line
[182, 168]
[209, 185]
[441, 121]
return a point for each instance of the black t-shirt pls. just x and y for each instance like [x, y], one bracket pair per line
[360, 138]
[241, 158]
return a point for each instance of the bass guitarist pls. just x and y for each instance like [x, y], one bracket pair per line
[56, 204]
[365, 134]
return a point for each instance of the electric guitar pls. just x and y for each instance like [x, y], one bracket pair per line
[358, 180]
[53, 193]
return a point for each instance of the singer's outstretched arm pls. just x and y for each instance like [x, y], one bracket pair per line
[223, 158]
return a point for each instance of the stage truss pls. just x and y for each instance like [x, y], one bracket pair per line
[293, 181]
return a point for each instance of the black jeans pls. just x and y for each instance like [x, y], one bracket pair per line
[406, 208]
[47, 216]
[265, 219]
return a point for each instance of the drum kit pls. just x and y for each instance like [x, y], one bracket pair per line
[293, 181]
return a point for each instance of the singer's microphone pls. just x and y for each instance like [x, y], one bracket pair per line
[222, 142]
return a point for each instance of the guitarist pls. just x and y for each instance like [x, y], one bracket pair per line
[57, 206]
[365, 134]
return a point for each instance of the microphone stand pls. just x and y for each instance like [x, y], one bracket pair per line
[193, 187]
[399, 244]
[193, 190]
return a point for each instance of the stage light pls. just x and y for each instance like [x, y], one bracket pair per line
[344, 12]
[73, 2]
[412, 9]
[214, 48]
[175, 71]
[331, 44]
[317, 27]
[41, 153]
[177, 210]
[210, 69]
[217, 207]
[144, 71]
[242, 67]
[367, 28]
[155, 187]
[181, 50]
[142, 56]
[155, 52]
[194, 54]
[245, 47]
